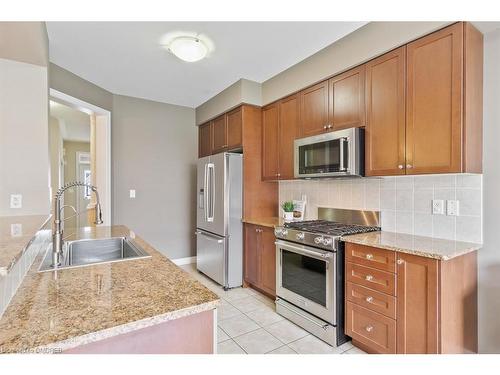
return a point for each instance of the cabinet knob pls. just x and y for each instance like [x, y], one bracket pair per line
[368, 277]
[409, 166]
[329, 126]
[400, 261]
[400, 166]
[278, 174]
[369, 256]
[369, 299]
[369, 328]
[325, 127]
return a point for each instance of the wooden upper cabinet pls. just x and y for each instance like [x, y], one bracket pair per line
[268, 261]
[270, 142]
[289, 130]
[347, 99]
[314, 109]
[417, 305]
[434, 102]
[234, 128]
[205, 140]
[385, 115]
[219, 134]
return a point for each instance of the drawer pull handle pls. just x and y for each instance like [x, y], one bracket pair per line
[400, 261]
[368, 277]
[369, 299]
[369, 256]
[369, 328]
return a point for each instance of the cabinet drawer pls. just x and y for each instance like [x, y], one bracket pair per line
[372, 278]
[384, 260]
[376, 331]
[376, 301]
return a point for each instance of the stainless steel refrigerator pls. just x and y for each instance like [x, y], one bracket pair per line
[219, 237]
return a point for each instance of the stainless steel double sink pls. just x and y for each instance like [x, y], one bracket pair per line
[94, 251]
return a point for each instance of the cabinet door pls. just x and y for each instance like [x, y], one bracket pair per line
[219, 134]
[417, 304]
[385, 118]
[289, 131]
[314, 109]
[270, 142]
[434, 102]
[204, 140]
[268, 261]
[234, 129]
[252, 254]
[347, 99]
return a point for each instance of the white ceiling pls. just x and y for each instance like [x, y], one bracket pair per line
[126, 58]
[73, 124]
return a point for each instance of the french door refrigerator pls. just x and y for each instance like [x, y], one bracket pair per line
[219, 238]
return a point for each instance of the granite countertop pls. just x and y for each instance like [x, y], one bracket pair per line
[428, 247]
[64, 309]
[264, 221]
[15, 234]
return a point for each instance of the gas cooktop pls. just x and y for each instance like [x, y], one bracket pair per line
[330, 227]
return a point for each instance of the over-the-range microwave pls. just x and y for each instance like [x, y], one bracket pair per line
[334, 154]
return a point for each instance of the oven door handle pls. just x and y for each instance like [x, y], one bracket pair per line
[299, 250]
[303, 316]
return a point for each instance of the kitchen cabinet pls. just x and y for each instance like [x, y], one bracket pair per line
[234, 128]
[347, 99]
[205, 140]
[385, 115]
[270, 142]
[219, 134]
[260, 258]
[280, 122]
[404, 303]
[314, 109]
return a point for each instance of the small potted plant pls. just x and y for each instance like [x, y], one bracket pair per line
[288, 207]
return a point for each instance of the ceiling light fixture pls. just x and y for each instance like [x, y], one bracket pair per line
[188, 48]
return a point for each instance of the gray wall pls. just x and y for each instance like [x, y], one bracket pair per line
[489, 256]
[154, 151]
[24, 41]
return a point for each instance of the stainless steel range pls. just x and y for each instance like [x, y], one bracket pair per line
[310, 270]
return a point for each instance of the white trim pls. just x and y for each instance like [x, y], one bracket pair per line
[183, 261]
[215, 331]
[90, 109]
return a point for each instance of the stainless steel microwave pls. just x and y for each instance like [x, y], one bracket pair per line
[334, 154]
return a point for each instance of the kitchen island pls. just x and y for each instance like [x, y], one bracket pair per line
[137, 306]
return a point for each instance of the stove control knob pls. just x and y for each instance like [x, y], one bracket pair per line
[327, 241]
[318, 240]
[278, 231]
[300, 236]
[284, 232]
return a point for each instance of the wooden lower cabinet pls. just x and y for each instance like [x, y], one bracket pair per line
[260, 258]
[431, 308]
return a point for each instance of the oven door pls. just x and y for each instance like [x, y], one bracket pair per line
[305, 277]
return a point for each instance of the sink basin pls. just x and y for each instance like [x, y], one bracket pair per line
[95, 251]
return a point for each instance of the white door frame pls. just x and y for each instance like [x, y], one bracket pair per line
[88, 108]
[78, 165]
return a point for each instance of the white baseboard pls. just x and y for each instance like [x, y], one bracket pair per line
[183, 261]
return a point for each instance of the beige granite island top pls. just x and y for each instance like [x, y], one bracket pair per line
[15, 234]
[429, 247]
[71, 307]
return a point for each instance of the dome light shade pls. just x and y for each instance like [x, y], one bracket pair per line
[188, 48]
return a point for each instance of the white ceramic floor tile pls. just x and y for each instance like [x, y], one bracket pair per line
[226, 311]
[283, 350]
[312, 345]
[258, 342]
[238, 325]
[354, 350]
[265, 316]
[229, 347]
[286, 331]
[248, 304]
[235, 294]
[221, 335]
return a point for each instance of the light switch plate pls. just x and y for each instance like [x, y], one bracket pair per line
[438, 207]
[452, 207]
[16, 201]
[132, 193]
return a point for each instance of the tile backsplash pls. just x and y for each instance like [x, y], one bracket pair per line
[405, 202]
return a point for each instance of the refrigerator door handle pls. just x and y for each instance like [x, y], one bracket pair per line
[210, 236]
[211, 192]
[205, 188]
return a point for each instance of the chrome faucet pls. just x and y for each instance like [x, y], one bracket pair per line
[57, 237]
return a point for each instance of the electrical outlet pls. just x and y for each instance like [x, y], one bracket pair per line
[438, 207]
[132, 193]
[452, 207]
[16, 230]
[16, 201]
